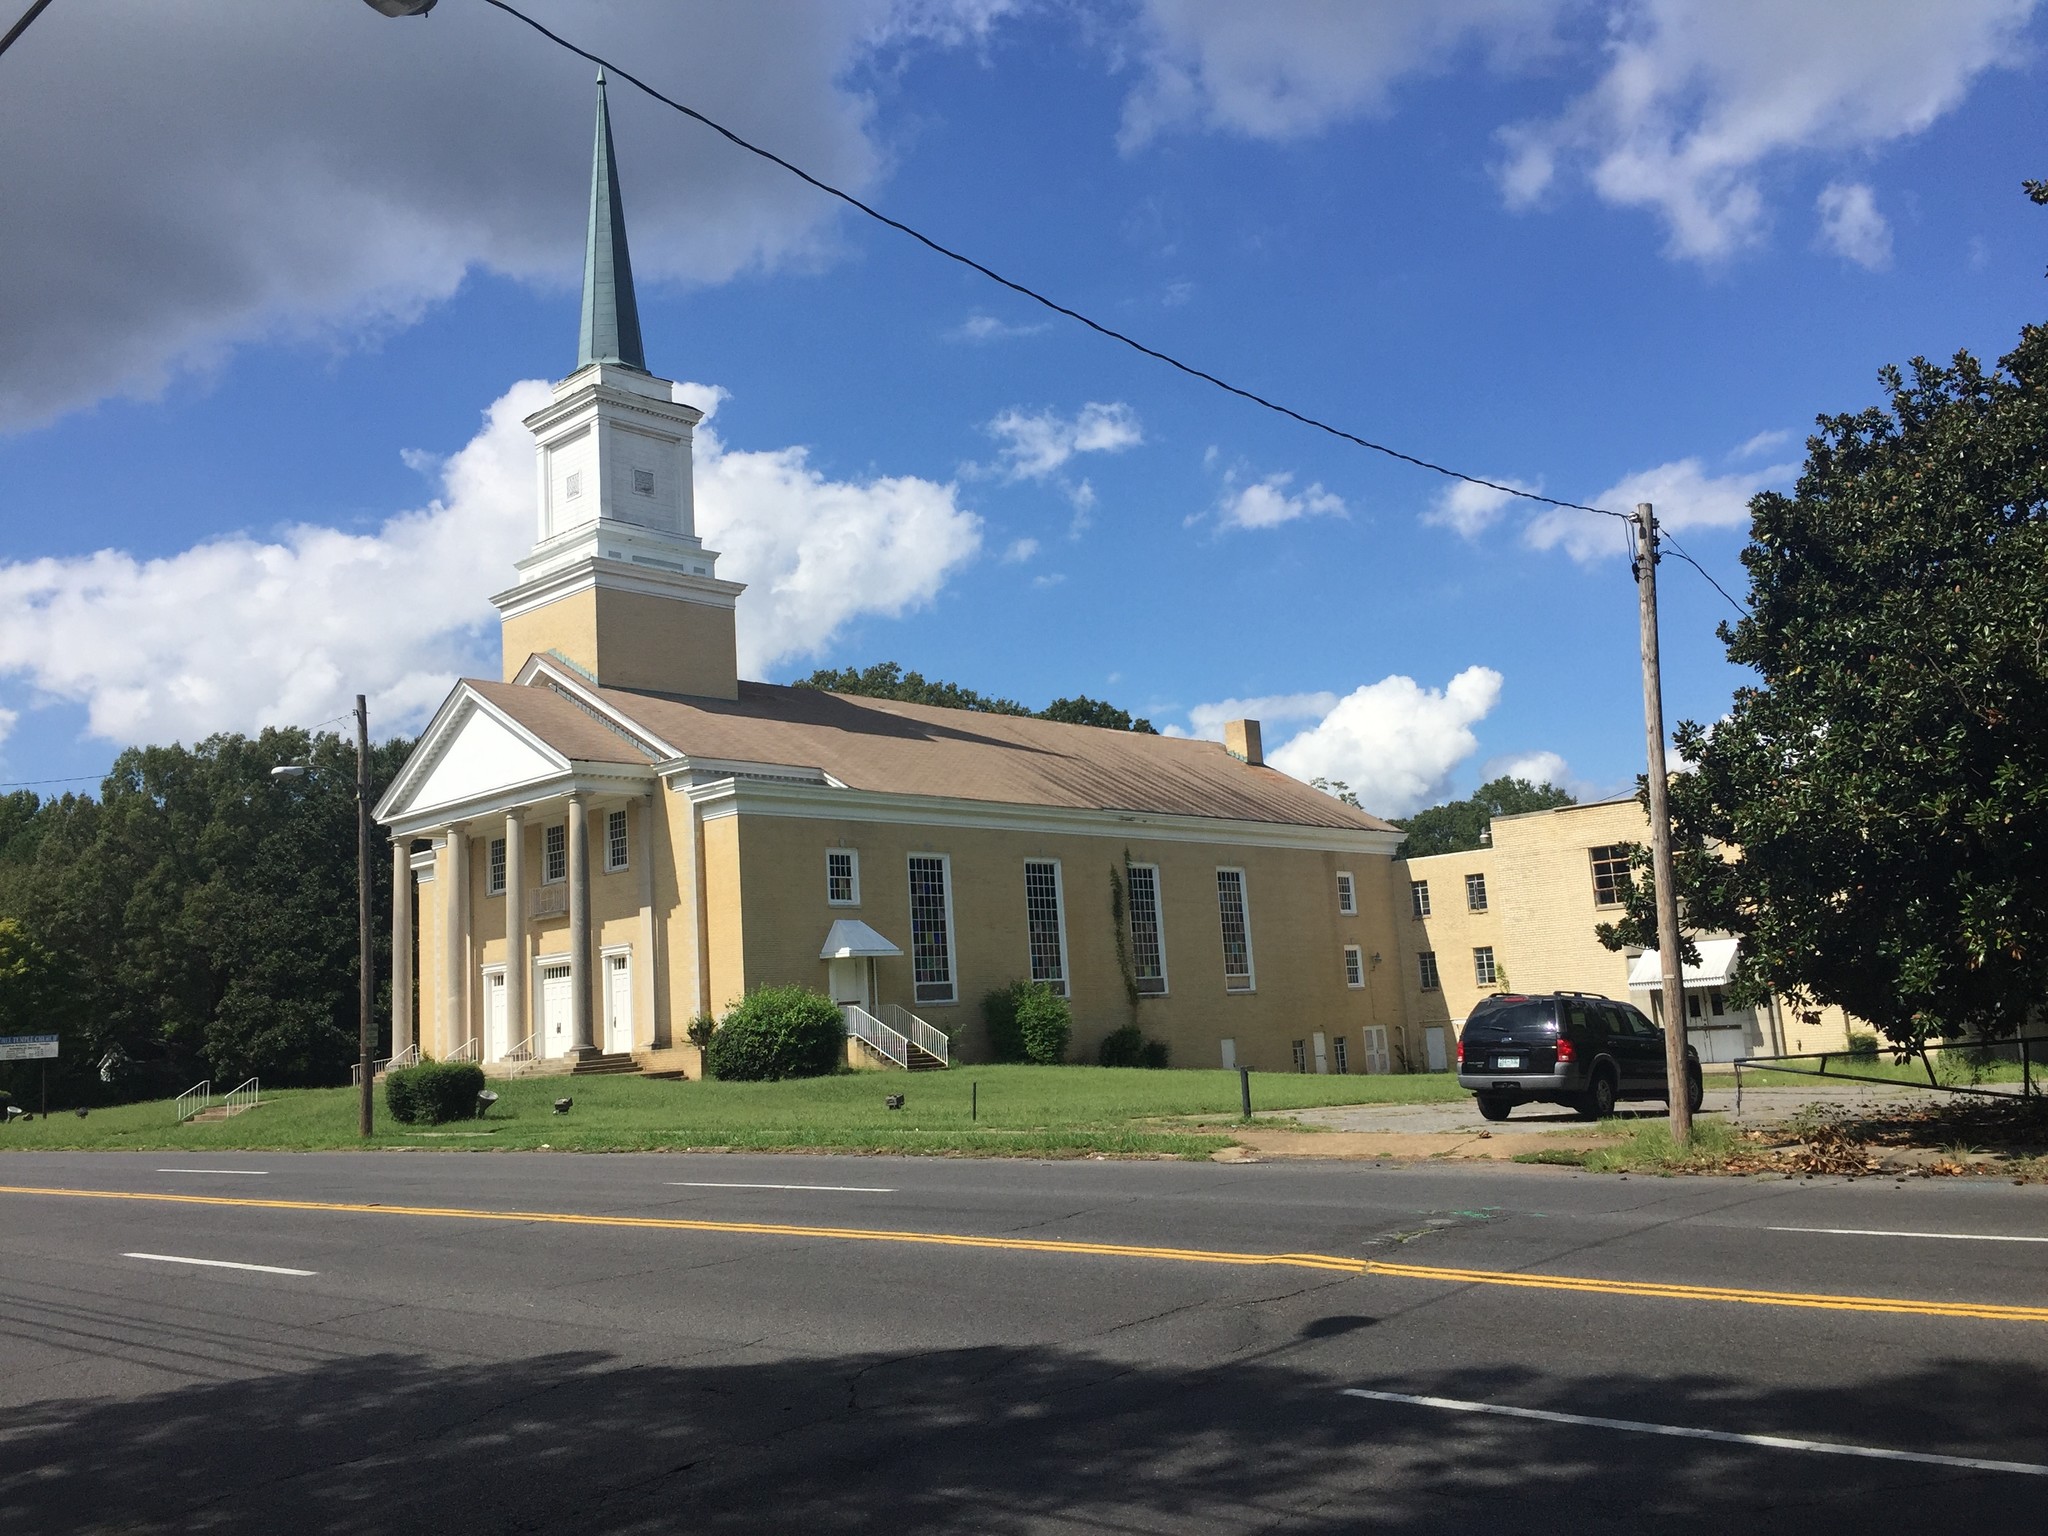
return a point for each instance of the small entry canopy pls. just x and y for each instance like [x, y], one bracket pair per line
[851, 939]
[1716, 967]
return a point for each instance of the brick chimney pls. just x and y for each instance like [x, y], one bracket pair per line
[1241, 741]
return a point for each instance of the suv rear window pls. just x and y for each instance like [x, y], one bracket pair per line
[1527, 1018]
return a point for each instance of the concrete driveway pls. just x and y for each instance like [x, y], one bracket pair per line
[1760, 1106]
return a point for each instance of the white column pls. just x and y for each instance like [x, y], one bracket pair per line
[401, 944]
[581, 973]
[654, 1029]
[517, 1026]
[454, 1011]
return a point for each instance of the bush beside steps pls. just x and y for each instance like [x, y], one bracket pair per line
[433, 1091]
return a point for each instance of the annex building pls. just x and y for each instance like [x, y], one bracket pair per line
[618, 833]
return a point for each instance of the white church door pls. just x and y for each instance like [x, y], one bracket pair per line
[618, 1003]
[495, 1043]
[555, 1039]
[848, 979]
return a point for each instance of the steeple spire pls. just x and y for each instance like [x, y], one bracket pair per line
[611, 318]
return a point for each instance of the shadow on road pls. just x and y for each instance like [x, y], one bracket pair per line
[1003, 1440]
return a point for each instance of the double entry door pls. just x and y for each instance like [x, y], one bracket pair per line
[556, 1028]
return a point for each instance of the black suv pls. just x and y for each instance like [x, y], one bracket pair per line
[1572, 1048]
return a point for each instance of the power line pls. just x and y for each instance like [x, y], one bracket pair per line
[1673, 545]
[76, 778]
[1033, 294]
[22, 25]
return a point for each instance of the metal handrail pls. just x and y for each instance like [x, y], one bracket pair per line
[523, 1051]
[248, 1096]
[202, 1092]
[467, 1051]
[922, 1035]
[875, 1035]
[409, 1057]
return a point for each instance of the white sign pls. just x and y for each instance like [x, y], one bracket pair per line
[28, 1047]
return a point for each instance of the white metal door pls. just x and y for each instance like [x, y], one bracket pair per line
[1322, 1053]
[848, 979]
[1230, 1055]
[618, 1003]
[1433, 1048]
[554, 1011]
[1377, 1057]
[495, 1042]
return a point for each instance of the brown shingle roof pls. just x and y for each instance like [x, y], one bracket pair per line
[561, 722]
[917, 749]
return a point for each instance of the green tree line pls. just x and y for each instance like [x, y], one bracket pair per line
[197, 919]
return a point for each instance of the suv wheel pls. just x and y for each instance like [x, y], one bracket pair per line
[1494, 1107]
[1695, 1088]
[1598, 1101]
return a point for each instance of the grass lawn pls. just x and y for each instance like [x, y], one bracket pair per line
[1952, 1068]
[1023, 1111]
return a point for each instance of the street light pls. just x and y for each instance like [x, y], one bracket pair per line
[403, 7]
[366, 1029]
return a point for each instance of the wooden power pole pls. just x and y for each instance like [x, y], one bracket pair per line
[1643, 540]
[366, 1024]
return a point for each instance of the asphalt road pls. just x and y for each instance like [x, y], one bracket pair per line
[677, 1367]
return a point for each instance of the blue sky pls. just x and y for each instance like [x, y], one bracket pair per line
[276, 274]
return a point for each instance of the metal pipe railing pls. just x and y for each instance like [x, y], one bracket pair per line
[199, 1096]
[875, 1035]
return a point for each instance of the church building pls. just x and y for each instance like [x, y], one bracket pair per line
[620, 834]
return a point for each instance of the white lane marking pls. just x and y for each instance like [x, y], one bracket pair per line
[261, 1269]
[1679, 1431]
[836, 1189]
[247, 1173]
[1954, 1237]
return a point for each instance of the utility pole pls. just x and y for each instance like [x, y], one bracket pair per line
[366, 1027]
[1643, 554]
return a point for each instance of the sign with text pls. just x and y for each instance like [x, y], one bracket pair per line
[27, 1047]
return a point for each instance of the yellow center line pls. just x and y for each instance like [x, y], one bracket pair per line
[1337, 1263]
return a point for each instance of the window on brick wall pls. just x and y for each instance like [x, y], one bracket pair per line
[1475, 893]
[1354, 966]
[1045, 923]
[931, 929]
[1148, 941]
[555, 855]
[494, 881]
[1347, 893]
[842, 877]
[614, 841]
[1611, 878]
[1418, 897]
[1483, 970]
[1236, 918]
[1425, 968]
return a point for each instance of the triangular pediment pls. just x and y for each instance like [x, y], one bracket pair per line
[470, 752]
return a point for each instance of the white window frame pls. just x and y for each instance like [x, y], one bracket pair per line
[618, 851]
[1354, 966]
[1064, 984]
[1340, 1058]
[1418, 898]
[952, 933]
[1484, 973]
[1158, 926]
[553, 830]
[1475, 885]
[1347, 894]
[852, 857]
[1244, 897]
[1429, 975]
[494, 867]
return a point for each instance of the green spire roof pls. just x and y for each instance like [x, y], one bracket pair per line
[611, 319]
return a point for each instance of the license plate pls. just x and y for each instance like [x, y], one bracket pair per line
[1507, 1063]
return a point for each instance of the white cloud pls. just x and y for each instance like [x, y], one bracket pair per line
[1037, 443]
[1762, 443]
[980, 327]
[1020, 551]
[192, 192]
[1852, 227]
[1206, 721]
[1468, 510]
[1394, 742]
[1699, 95]
[1278, 72]
[1268, 503]
[1540, 768]
[1050, 579]
[241, 632]
[1683, 493]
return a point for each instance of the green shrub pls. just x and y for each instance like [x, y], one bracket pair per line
[700, 1030]
[777, 1032]
[1046, 1023]
[1862, 1043]
[1122, 1047]
[1154, 1055]
[433, 1091]
[999, 1013]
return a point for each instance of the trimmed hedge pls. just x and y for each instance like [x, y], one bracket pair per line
[433, 1091]
[777, 1032]
[999, 1014]
[1046, 1023]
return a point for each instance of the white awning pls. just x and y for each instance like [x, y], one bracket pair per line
[1716, 967]
[851, 939]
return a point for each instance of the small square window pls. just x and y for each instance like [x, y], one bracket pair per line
[1418, 897]
[643, 482]
[573, 486]
[1483, 969]
[614, 841]
[842, 877]
[1354, 966]
[1425, 966]
[1475, 893]
[1347, 893]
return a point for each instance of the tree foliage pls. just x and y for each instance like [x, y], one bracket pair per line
[1886, 779]
[888, 680]
[1454, 826]
[204, 913]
